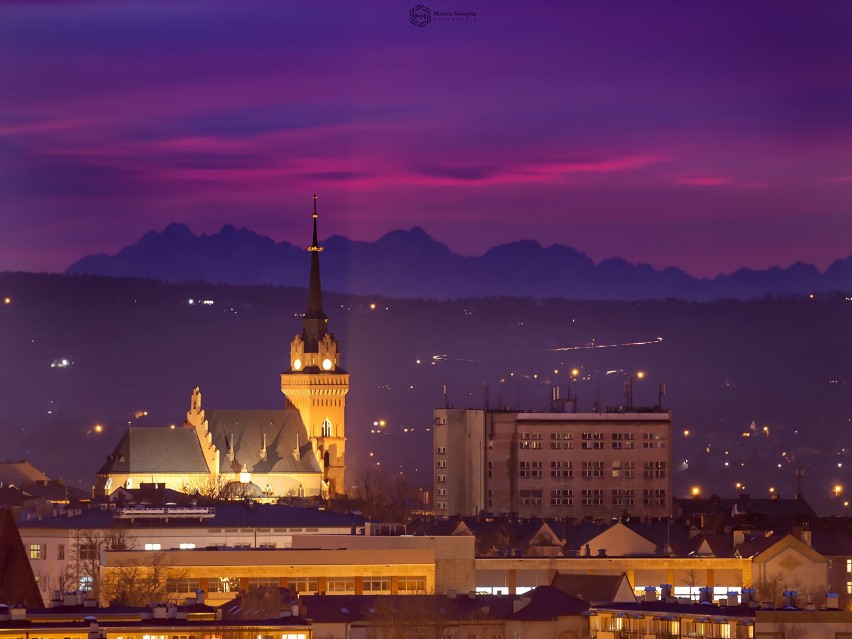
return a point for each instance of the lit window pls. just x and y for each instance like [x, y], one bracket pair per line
[187, 546]
[152, 546]
[38, 551]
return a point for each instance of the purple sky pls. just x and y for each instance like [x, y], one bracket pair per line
[705, 135]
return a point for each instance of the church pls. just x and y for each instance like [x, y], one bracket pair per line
[295, 451]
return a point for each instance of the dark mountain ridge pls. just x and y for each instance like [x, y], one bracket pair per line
[411, 264]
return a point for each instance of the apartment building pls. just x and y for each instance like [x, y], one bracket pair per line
[562, 465]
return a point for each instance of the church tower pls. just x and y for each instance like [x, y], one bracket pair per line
[315, 384]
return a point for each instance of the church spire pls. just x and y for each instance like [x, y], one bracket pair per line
[315, 318]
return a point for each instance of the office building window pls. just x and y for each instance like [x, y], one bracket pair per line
[411, 585]
[531, 497]
[38, 551]
[377, 584]
[592, 469]
[592, 497]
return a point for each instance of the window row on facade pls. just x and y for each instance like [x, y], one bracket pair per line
[590, 441]
[589, 497]
[304, 585]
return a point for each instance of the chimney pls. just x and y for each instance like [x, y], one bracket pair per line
[159, 611]
[650, 593]
[601, 552]
[263, 448]
[17, 613]
[733, 599]
[4, 612]
[665, 592]
[705, 595]
[832, 601]
[199, 596]
[94, 630]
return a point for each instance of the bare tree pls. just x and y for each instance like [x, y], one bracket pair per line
[214, 487]
[404, 617]
[691, 580]
[140, 582]
[769, 588]
[83, 571]
[384, 499]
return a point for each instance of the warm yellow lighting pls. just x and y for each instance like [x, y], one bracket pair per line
[696, 491]
[686, 433]
[7, 300]
[372, 307]
[837, 490]
[771, 489]
[575, 372]
[640, 374]
[381, 422]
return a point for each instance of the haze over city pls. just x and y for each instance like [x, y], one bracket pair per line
[707, 137]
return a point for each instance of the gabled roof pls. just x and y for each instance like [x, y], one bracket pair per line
[712, 545]
[548, 603]
[17, 582]
[505, 536]
[146, 450]
[591, 588]
[284, 430]
[20, 473]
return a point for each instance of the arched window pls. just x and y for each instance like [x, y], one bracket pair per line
[326, 428]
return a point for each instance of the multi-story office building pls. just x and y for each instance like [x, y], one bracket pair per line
[580, 465]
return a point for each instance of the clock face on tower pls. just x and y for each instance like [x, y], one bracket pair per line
[297, 364]
[327, 364]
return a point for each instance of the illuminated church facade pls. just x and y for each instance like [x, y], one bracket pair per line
[295, 451]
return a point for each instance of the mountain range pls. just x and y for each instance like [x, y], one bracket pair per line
[411, 264]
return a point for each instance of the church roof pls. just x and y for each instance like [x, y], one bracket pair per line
[284, 430]
[17, 582]
[156, 450]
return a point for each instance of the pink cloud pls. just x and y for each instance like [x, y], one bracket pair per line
[706, 181]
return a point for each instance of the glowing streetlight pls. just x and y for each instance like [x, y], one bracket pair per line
[696, 491]
[837, 490]
[640, 374]
[575, 372]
